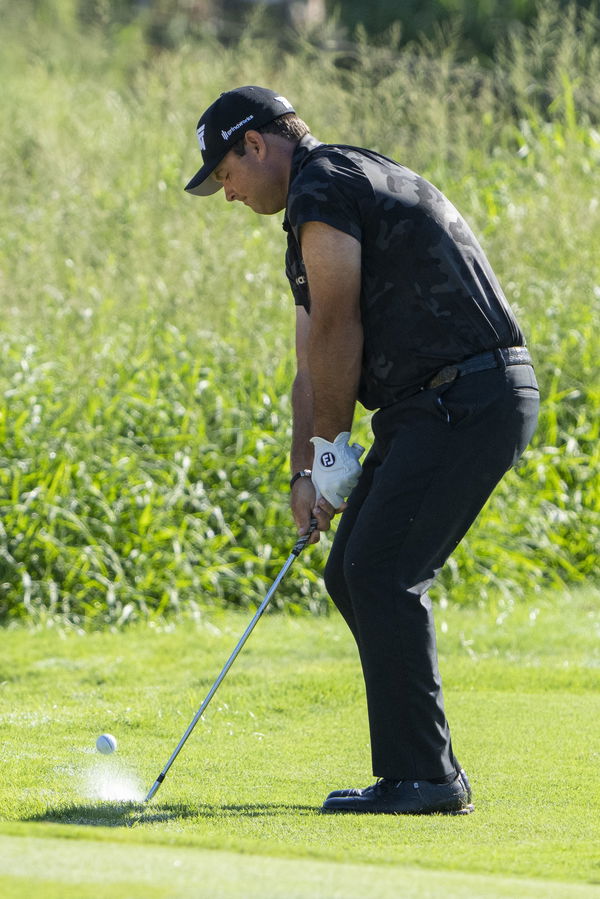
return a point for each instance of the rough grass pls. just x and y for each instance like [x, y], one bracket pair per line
[147, 336]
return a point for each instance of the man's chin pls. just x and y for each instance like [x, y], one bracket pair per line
[267, 210]
[264, 208]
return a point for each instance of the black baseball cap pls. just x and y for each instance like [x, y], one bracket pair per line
[225, 122]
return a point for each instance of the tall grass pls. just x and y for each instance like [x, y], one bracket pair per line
[147, 336]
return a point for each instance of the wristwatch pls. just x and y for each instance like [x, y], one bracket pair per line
[305, 473]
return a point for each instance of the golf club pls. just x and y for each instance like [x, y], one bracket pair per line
[298, 547]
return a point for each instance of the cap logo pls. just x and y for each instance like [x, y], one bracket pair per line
[285, 102]
[227, 134]
[200, 136]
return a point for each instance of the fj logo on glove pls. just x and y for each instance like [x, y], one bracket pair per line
[336, 470]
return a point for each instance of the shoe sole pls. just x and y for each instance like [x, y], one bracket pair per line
[465, 810]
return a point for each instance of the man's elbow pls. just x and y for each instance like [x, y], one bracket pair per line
[302, 382]
[330, 327]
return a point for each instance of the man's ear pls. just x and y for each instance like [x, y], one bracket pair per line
[255, 143]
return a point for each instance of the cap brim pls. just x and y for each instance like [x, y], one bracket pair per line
[203, 184]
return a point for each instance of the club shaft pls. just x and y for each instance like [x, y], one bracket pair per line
[300, 544]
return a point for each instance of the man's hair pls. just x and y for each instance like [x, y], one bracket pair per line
[288, 126]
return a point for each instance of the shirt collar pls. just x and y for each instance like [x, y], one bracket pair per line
[304, 146]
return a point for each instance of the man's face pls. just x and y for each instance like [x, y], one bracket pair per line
[254, 179]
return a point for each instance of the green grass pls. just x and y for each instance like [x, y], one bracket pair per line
[288, 724]
[151, 872]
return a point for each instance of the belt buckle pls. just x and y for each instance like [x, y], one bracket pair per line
[445, 375]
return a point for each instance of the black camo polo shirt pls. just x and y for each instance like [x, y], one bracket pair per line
[429, 296]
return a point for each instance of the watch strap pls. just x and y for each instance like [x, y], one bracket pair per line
[305, 473]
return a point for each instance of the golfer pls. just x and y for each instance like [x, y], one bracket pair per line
[397, 308]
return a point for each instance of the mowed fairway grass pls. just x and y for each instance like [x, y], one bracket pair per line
[238, 814]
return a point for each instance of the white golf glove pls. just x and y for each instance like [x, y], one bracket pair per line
[336, 468]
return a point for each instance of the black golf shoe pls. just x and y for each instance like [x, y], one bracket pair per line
[403, 797]
[352, 791]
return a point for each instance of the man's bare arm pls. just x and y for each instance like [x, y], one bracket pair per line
[335, 339]
[302, 398]
[303, 498]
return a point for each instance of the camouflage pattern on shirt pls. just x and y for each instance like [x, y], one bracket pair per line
[428, 294]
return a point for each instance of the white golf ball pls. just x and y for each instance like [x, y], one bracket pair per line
[106, 744]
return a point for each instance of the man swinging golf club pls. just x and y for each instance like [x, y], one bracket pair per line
[398, 308]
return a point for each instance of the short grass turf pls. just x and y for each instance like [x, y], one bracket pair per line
[239, 810]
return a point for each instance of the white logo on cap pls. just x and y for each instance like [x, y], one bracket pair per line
[285, 102]
[227, 134]
[200, 136]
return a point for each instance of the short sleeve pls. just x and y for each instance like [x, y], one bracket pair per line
[328, 189]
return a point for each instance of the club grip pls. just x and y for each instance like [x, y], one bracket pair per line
[303, 540]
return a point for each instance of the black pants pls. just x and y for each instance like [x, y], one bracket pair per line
[435, 460]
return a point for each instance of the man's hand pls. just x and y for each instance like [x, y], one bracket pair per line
[336, 468]
[305, 506]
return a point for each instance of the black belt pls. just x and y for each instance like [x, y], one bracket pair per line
[513, 355]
